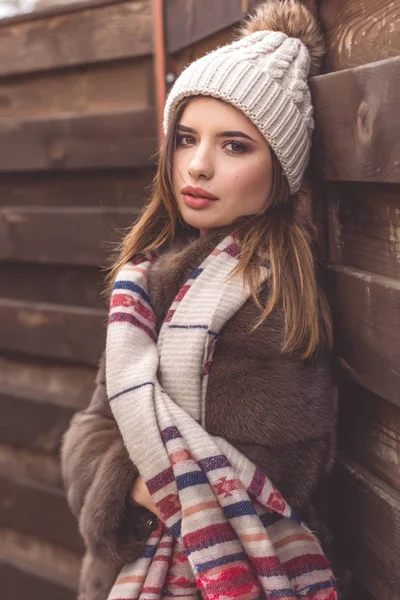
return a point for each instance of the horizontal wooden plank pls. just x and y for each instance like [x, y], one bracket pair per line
[32, 424]
[53, 332]
[363, 219]
[77, 188]
[358, 123]
[366, 311]
[103, 33]
[33, 466]
[109, 139]
[178, 61]
[48, 561]
[47, 381]
[106, 86]
[369, 432]
[54, 284]
[62, 235]
[25, 585]
[47, 9]
[39, 512]
[368, 528]
[360, 31]
[188, 22]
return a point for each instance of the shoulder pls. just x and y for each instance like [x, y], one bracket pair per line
[259, 351]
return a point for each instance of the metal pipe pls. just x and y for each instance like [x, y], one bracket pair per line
[160, 62]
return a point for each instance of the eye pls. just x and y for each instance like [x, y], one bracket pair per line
[185, 140]
[236, 147]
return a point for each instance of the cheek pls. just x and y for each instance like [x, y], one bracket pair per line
[253, 181]
[179, 168]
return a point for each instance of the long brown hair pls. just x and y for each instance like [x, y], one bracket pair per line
[282, 233]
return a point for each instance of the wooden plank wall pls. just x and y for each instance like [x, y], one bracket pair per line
[77, 130]
[357, 157]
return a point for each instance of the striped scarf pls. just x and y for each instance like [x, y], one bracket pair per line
[226, 532]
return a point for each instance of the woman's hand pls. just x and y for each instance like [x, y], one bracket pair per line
[141, 495]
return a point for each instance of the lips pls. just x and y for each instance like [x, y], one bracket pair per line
[198, 193]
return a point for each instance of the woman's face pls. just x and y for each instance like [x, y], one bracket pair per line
[222, 166]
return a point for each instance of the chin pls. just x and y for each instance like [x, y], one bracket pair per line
[203, 221]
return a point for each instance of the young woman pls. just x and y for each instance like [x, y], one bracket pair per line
[216, 434]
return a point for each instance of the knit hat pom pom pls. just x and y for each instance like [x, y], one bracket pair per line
[295, 20]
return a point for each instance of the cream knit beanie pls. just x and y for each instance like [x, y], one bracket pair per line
[265, 75]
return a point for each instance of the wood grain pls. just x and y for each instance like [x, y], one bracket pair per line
[366, 310]
[369, 432]
[27, 464]
[109, 139]
[32, 424]
[368, 528]
[113, 85]
[104, 33]
[64, 236]
[178, 61]
[55, 564]
[52, 331]
[47, 9]
[39, 512]
[56, 284]
[360, 31]
[123, 187]
[26, 585]
[358, 123]
[52, 382]
[364, 225]
[188, 21]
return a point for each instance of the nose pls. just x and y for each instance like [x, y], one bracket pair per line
[201, 164]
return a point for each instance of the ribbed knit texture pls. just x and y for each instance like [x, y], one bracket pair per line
[225, 529]
[265, 76]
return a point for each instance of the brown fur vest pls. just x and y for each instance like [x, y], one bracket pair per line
[278, 410]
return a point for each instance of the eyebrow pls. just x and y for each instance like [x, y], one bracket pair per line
[239, 134]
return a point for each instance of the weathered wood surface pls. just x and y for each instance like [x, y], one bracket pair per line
[110, 139]
[32, 424]
[26, 464]
[125, 187]
[100, 87]
[54, 284]
[360, 31]
[366, 309]
[363, 225]
[188, 22]
[25, 585]
[57, 565]
[369, 432]
[55, 383]
[38, 511]
[74, 236]
[47, 8]
[52, 331]
[178, 61]
[368, 525]
[358, 123]
[108, 32]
